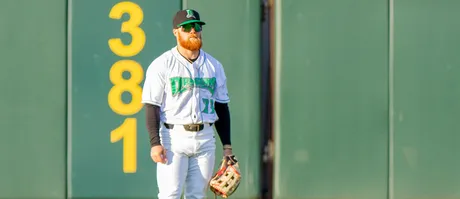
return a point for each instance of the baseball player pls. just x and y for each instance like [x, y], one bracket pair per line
[185, 98]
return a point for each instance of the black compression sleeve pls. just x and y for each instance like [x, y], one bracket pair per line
[153, 123]
[223, 124]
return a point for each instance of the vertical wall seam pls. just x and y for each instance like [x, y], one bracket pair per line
[69, 99]
[277, 113]
[391, 102]
[264, 98]
[183, 4]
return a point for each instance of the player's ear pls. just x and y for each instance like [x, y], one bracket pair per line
[175, 32]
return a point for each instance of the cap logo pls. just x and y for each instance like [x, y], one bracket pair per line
[190, 14]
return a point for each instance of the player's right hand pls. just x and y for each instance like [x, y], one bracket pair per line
[158, 154]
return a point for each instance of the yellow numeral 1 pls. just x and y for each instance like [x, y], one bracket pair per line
[127, 133]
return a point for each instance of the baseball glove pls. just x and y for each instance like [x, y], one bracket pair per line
[227, 179]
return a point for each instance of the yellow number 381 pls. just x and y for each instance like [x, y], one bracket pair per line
[127, 131]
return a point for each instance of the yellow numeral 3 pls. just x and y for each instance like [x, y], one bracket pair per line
[131, 26]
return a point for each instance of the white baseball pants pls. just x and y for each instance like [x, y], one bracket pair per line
[190, 165]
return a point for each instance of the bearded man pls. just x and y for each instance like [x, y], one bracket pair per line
[185, 97]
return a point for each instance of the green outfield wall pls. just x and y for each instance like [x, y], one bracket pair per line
[367, 99]
[33, 99]
[365, 96]
[332, 108]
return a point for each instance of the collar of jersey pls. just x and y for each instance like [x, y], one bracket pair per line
[179, 57]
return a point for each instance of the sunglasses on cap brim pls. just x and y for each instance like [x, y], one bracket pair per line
[188, 27]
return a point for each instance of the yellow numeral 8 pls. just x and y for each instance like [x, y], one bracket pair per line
[130, 85]
[131, 26]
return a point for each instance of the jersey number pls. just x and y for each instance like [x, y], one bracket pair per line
[208, 106]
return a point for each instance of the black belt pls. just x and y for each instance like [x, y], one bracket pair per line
[188, 127]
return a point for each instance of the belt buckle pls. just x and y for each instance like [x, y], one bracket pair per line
[194, 127]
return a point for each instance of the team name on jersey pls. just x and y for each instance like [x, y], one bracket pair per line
[182, 84]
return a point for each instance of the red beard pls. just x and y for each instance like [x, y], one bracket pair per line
[192, 43]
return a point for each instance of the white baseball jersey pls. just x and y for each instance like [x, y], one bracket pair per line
[185, 91]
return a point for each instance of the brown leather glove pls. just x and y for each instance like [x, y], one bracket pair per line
[227, 179]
